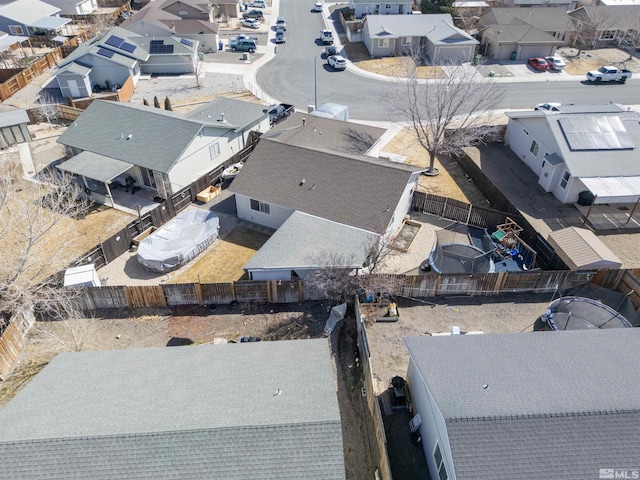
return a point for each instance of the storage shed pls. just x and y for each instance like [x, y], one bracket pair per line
[579, 248]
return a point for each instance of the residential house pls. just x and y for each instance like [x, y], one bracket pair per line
[223, 10]
[315, 132]
[610, 24]
[432, 35]
[580, 148]
[521, 33]
[13, 127]
[363, 8]
[106, 62]
[189, 9]
[328, 204]
[265, 410]
[153, 21]
[527, 406]
[74, 7]
[115, 145]
[566, 4]
[30, 17]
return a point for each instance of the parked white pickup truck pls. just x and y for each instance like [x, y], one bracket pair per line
[326, 36]
[608, 74]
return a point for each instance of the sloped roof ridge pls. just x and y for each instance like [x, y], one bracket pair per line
[32, 441]
[381, 162]
[579, 413]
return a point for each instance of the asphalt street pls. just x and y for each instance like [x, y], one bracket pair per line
[291, 77]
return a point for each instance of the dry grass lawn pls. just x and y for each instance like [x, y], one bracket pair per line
[405, 143]
[594, 59]
[390, 66]
[69, 238]
[223, 262]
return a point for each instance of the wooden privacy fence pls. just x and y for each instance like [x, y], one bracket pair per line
[430, 285]
[12, 339]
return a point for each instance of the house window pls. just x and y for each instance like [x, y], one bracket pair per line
[565, 179]
[383, 43]
[406, 40]
[260, 207]
[387, 6]
[442, 470]
[608, 35]
[16, 30]
[535, 147]
[214, 150]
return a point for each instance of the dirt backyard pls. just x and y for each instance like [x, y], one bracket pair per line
[121, 329]
[580, 64]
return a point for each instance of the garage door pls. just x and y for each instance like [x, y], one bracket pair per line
[504, 52]
[454, 54]
[530, 51]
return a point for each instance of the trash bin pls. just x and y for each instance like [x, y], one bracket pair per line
[201, 56]
[478, 59]
[220, 45]
[513, 56]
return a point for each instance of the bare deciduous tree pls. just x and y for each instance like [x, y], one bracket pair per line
[590, 26]
[197, 70]
[339, 277]
[462, 99]
[47, 110]
[631, 39]
[35, 228]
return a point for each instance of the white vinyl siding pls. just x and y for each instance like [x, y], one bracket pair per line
[214, 150]
[535, 148]
[565, 179]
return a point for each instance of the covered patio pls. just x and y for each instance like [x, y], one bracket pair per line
[615, 203]
[109, 181]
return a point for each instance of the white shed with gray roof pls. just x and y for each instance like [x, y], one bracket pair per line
[527, 406]
[305, 243]
[265, 410]
[13, 127]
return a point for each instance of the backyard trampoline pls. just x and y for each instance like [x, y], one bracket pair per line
[579, 313]
[179, 240]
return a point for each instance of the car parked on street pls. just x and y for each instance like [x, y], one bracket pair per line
[330, 50]
[539, 64]
[280, 37]
[326, 37]
[281, 23]
[258, 4]
[317, 7]
[251, 23]
[337, 62]
[609, 74]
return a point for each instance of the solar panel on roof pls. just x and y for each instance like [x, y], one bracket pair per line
[128, 47]
[184, 41]
[105, 53]
[114, 41]
[595, 133]
[156, 42]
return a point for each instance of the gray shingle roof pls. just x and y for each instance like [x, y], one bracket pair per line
[436, 27]
[75, 68]
[326, 133]
[621, 17]
[554, 407]
[13, 117]
[358, 191]
[589, 163]
[27, 11]
[521, 33]
[543, 448]
[238, 114]
[158, 139]
[183, 412]
[547, 19]
[303, 239]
